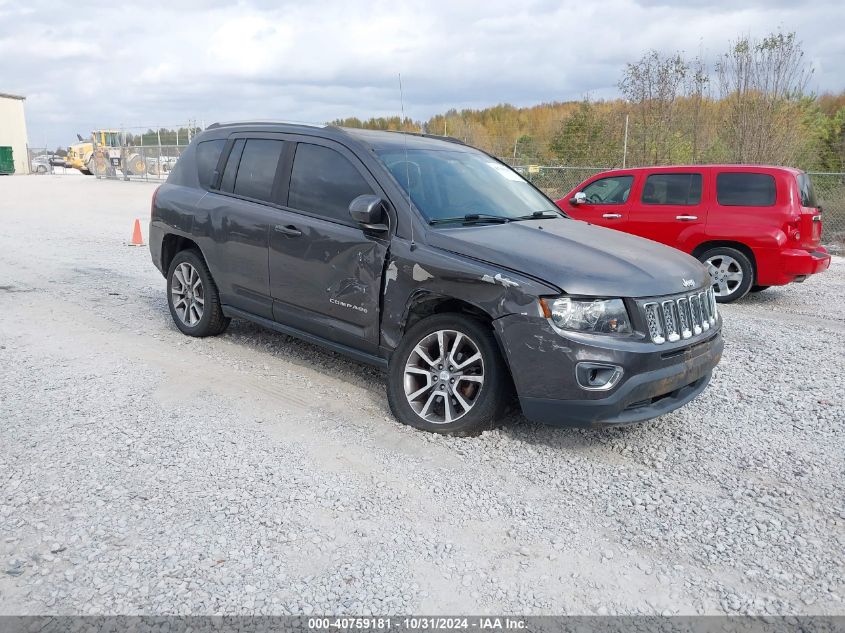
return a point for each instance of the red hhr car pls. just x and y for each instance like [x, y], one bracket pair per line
[753, 226]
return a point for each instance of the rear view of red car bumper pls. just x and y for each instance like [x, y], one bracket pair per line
[780, 267]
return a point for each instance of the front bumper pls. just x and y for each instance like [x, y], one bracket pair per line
[656, 379]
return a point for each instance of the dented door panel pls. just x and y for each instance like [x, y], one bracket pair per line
[327, 276]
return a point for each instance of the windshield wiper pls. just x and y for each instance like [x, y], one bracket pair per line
[540, 215]
[472, 217]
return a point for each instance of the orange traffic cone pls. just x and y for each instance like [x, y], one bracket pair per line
[137, 238]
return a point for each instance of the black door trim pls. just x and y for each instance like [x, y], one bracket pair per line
[351, 352]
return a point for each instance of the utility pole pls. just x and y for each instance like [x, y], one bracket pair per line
[625, 147]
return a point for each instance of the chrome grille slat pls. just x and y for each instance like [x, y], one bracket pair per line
[670, 321]
[680, 317]
[686, 317]
[711, 295]
[696, 314]
[655, 326]
[705, 317]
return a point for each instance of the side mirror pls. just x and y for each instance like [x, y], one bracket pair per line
[578, 198]
[368, 211]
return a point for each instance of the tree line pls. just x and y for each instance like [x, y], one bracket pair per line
[750, 106]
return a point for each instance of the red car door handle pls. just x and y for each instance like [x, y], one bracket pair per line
[686, 218]
[612, 216]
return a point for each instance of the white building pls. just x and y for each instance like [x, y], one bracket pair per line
[13, 130]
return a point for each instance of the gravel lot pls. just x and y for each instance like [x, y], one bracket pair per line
[142, 471]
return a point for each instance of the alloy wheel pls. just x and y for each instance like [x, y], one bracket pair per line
[444, 376]
[187, 294]
[726, 274]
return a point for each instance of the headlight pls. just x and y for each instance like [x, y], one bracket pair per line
[600, 316]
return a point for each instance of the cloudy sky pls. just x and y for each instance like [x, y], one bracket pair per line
[92, 64]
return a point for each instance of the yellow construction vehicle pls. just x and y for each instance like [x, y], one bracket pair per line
[106, 152]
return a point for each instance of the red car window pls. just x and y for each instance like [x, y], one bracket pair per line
[610, 190]
[674, 189]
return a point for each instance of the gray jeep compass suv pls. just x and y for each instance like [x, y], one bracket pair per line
[440, 264]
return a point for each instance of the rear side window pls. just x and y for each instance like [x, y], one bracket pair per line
[805, 188]
[208, 153]
[324, 182]
[745, 190]
[610, 190]
[677, 189]
[231, 170]
[257, 169]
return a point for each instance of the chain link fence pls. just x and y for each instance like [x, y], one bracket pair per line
[154, 162]
[556, 182]
[133, 162]
[830, 192]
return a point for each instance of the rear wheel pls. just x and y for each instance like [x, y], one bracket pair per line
[731, 272]
[447, 376]
[192, 296]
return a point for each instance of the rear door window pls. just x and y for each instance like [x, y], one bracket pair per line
[257, 168]
[208, 153]
[610, 190]
[324, 182]
[738, 189]
[672, 189]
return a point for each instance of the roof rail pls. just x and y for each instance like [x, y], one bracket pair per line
[439, 137]
[219, 124]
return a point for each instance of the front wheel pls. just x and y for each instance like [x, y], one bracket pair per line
[731, 272]
[192, 296]
[447, 376]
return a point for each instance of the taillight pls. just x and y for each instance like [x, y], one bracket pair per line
[792, 231]
[153, 202]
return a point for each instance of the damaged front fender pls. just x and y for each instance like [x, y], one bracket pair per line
[429, 275]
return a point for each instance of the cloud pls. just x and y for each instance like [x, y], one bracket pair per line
[94, 64]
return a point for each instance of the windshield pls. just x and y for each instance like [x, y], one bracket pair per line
[452, 184]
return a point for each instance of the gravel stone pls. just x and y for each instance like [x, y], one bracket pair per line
[253, 473]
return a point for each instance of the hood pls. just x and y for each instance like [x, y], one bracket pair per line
[578, 258]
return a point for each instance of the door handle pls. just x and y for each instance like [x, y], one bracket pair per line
[686, 218]
[287, 230]
[612, 216]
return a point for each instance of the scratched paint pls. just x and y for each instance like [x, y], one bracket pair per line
[500, 279]
[421, 274]
[390, 274]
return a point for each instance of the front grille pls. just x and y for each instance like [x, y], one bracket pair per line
[681, 316]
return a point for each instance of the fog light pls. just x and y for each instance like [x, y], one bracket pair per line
[597, 376]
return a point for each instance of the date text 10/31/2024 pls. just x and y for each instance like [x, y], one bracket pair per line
[416, 623]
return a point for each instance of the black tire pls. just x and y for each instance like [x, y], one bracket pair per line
[135, 165]
[489, 401]
[212, 322]
[41, 169]
[95, 167]
[759, 288]
[745, 265]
